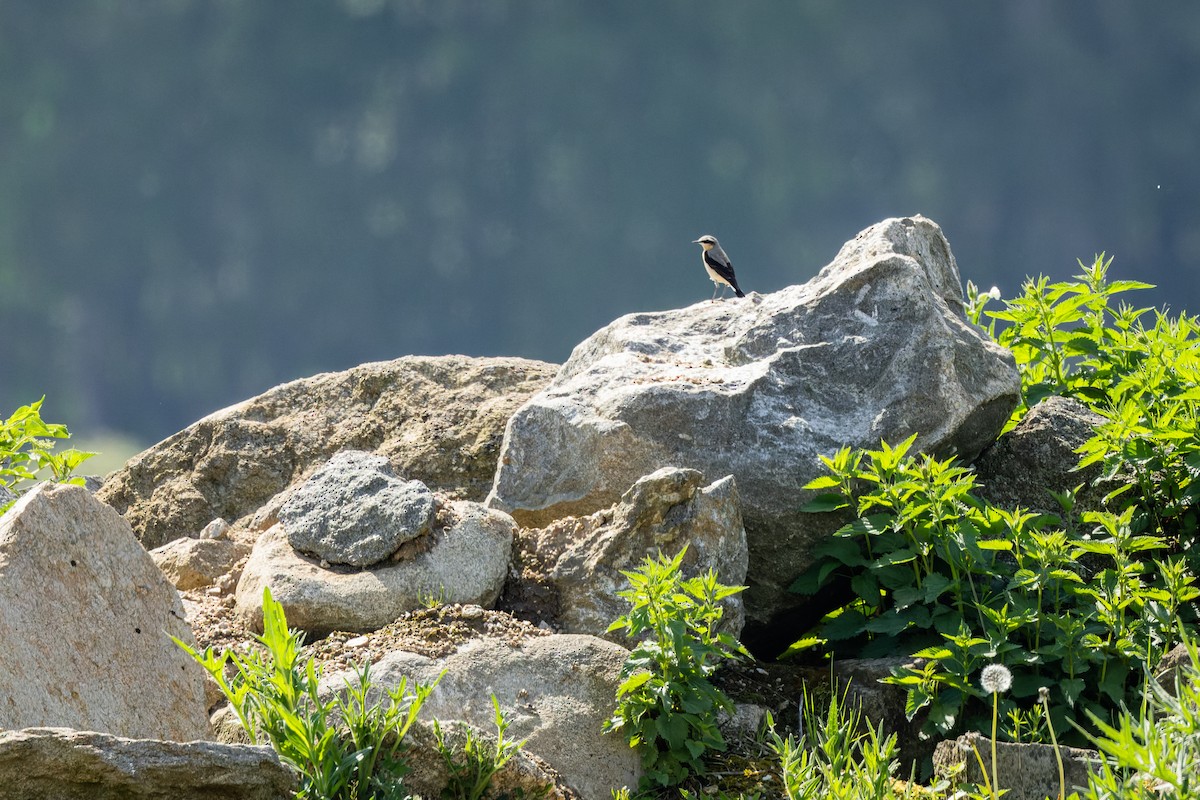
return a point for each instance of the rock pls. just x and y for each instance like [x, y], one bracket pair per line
[64, 764]
[466, 561]
[858, 683]
[1038, 457]
[875, 347]
[437, 420]
[6, 495]
[582, 558]
[85, 620]
[196, 563]
[744, 724]
[524, 775]
[355, 511]
[556, 690]
[217, 529]
[1174, 668]
[1026, 771]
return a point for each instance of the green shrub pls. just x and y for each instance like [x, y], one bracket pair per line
[939, 574]
[1154, 754]
[345, 748]
[1075, 339]
[27, 448]
[1084, 605]
[666, 705]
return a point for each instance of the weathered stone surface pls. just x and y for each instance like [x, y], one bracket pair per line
[1026, 771]
[557, 690]
[84, 621]
[525, 775]
[466, 561]
[197, 563]
[217, 529]
[437, 420]
[1038, 457]
[875, 347]
[354, 510]
[64, 764]
[582, 558]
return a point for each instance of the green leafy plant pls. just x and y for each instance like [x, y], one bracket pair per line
[1153, 754]
[937, 573]
[839, 754]
[477, 760]
[667, 706]
[1081, 604]
[345, 747]
[1074, 338]
[27, 448]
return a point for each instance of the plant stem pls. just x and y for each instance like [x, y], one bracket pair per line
[995, 771]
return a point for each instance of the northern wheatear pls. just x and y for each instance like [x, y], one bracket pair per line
[718, 266]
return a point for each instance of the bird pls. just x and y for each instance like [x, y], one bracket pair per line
[718, 266]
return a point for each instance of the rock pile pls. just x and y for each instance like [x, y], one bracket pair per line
[362, 497]
[875, 347]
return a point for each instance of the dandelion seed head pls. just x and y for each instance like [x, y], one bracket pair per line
[995, 678]
[1043, 694]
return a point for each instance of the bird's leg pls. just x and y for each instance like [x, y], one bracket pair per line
[716, 286]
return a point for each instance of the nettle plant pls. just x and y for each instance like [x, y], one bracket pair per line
[940, 574]
[1083, 604]
[27, 448]
[348, 746]
[667, 705]
[1075, 339]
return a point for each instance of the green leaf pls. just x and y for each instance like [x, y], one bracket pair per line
[994, 544]
[1071, 688]
[934, 585]
[866, 587]
[673, 730]
[637, 680]
[915, 699]
[900, 556]
[823, 503]
[845, 625]
[890, 624]
[846, 550]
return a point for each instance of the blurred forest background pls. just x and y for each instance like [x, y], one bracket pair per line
[202, 198]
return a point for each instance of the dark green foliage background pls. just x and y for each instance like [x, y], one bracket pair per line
[199, 199]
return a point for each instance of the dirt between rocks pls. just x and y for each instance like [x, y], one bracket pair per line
[432, 632]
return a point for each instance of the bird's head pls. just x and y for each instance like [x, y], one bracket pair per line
[707, 241]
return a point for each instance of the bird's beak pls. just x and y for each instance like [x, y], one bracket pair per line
[695, 241]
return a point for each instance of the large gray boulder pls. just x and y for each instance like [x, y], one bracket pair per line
[581, 559]
[463, 560]
[85, 621]
[556, 690]
[875, 347]
[355, 511]
[437, 420]
[64, 764]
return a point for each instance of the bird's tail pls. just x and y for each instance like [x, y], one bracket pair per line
[738, 291]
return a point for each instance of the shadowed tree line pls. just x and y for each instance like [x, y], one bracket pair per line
[200, 199]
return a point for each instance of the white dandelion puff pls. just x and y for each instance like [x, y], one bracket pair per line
[995, 679]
